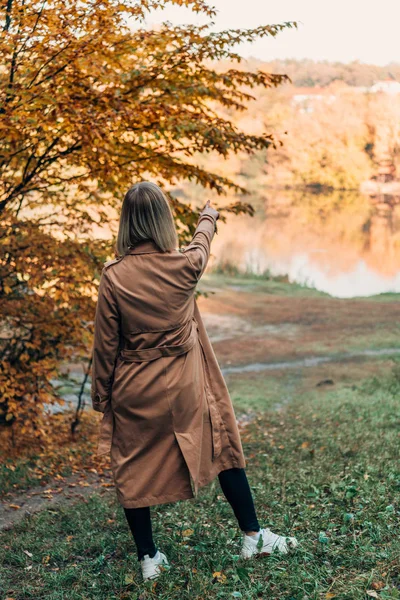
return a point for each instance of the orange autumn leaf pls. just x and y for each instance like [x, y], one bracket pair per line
[220, 577]
[187, 532]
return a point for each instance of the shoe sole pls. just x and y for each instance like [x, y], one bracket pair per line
[291, 546]
[163, 567]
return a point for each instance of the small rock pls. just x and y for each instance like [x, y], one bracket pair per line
[325, 382]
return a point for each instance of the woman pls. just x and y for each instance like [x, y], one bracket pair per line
[168, 419]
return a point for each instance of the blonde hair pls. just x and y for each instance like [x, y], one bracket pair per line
[146, 214]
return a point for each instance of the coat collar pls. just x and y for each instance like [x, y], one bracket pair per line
[144, 247]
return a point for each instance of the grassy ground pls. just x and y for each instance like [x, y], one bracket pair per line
[323, 456]
[324, 467]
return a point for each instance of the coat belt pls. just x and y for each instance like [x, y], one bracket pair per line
[146, 355]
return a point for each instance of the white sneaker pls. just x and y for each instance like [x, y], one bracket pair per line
[152, 567]
[270, 542]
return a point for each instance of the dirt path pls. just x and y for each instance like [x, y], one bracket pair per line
[311, 361]
[249, 326]
[14, 508]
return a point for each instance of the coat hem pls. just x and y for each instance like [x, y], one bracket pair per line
[235, 464]
[189, 495]
[155, 500]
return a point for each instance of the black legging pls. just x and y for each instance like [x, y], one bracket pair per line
[237, 491]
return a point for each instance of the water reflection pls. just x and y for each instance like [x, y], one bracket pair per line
[344, 244]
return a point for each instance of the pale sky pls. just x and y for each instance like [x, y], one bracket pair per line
[334, 30]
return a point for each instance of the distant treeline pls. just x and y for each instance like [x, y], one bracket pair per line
[335, 138]
[310, 73]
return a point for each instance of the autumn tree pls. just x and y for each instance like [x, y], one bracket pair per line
[90, 102]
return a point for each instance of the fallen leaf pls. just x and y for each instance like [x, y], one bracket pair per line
[187, 532]
[28, 553]
[372, 594]
[220, 577]
[377, 585]
[14, 506]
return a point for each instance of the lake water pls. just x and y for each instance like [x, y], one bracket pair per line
[344, 244]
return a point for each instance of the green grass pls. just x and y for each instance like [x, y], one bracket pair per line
[278, 285]
[26, 472]
[257, 283]
[324, 467]
[263, 391]
[384, 297]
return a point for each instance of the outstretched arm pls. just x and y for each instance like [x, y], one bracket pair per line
[198, 251]
[106, 343]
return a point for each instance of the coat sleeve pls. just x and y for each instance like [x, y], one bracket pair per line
[198, 251]
[105, 344]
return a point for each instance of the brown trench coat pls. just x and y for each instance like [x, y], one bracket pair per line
[168, 419]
